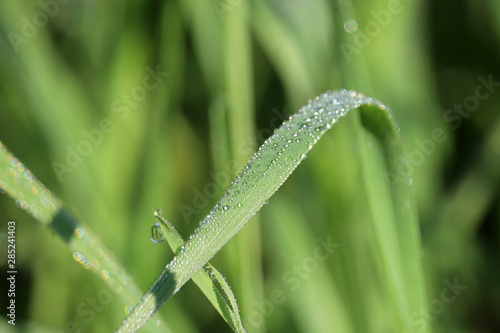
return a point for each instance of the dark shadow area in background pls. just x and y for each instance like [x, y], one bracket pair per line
[464, 46]
[22, 291]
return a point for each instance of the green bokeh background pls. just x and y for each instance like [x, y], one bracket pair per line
[236, 70]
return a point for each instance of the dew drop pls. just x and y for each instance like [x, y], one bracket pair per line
[104, 274]
[127, 310]
[226, 207]
[157, 234]
[78, 257]
[351, 26]
[78, 233]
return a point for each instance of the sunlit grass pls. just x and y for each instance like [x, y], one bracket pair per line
[227, 70]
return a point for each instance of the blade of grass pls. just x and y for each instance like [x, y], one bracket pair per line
[205, 24]
[394, 215]
[264, 174]
[247, 257]
[325, 310]
[219, 145]
[88, 250]
[396, 226]
[284, 52]
[207, 278]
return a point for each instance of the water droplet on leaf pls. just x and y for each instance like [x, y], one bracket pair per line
[157, 234]
[351, 26]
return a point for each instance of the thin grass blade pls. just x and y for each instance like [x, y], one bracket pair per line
[210, 281]
[88, 250]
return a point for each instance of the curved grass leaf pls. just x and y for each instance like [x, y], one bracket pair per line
[275, 160]
[208, 279]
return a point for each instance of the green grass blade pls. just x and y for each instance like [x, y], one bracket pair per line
[244, 254]
[392, 210]
[88, 250]
[326, 310]
[283, 51]
[275, 160]
[30, 194]
[208, 279]
[396, 226]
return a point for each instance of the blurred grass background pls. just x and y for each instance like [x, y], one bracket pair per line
[236, 70]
